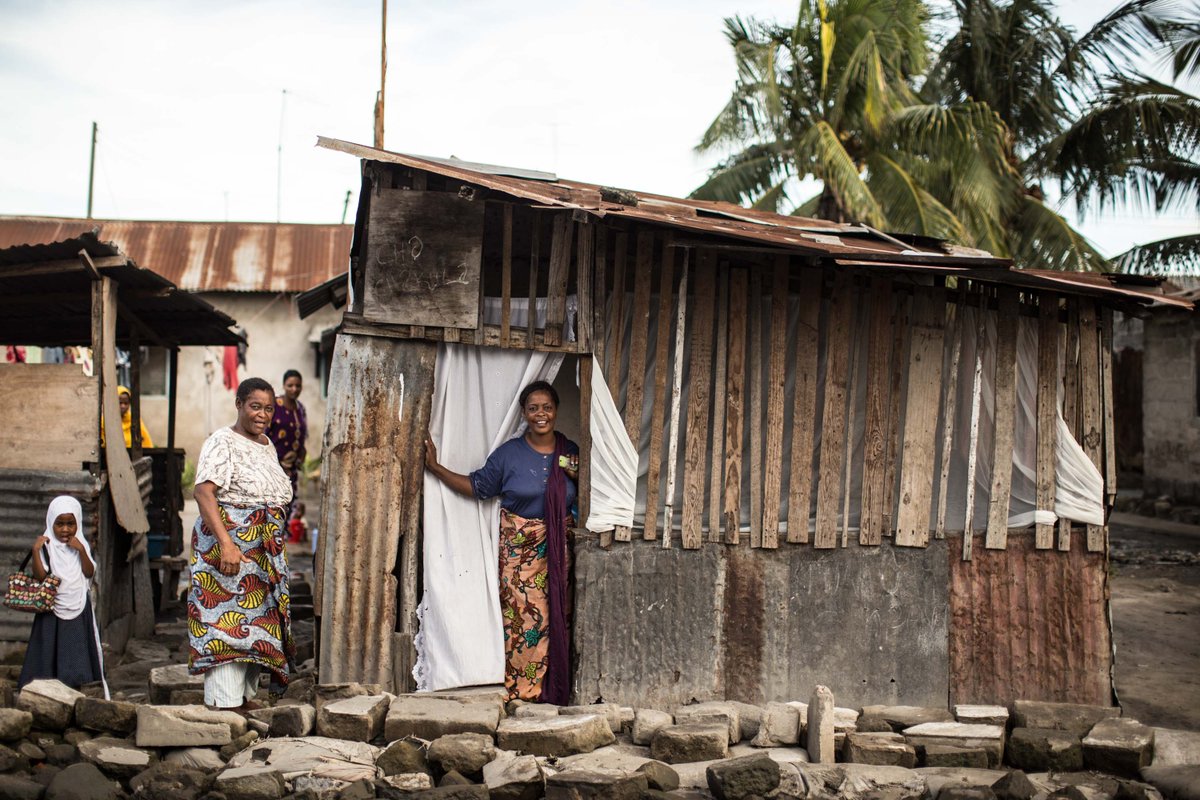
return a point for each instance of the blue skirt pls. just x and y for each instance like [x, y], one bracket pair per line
[62, 649]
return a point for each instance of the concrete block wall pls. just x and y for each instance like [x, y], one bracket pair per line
[1169, 406]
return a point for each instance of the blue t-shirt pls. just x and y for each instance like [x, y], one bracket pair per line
[518, 473]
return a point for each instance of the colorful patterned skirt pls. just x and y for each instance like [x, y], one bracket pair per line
[524, 604]
[244, 617]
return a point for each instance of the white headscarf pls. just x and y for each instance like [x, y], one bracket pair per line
[64, 561]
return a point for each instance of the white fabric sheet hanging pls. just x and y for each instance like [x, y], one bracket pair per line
[475, 409]
[613, 461]
[1080, 485]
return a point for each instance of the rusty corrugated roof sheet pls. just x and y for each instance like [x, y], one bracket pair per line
[208, 256]
[845, 244]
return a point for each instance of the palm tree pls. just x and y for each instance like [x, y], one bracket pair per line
[832, 97]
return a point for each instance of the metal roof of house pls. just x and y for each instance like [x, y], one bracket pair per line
[208, 256]
[838, 244]
[46, 299]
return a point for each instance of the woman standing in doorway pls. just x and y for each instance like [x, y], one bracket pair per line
[289, 429]
[534, 476]
[238, 607]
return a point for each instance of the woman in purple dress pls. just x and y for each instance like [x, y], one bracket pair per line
[289, 429]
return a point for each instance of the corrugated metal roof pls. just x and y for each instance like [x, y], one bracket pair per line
[845, 244]
[46, 298]
[208, 256]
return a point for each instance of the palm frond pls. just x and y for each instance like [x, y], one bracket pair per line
[1176, 256]
[744, 177]
[821, 153]
[909, 208]
[1043, 239]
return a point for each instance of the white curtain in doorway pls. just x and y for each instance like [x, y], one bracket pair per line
[475, 409]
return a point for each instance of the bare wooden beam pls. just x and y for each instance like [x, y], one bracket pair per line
[666, 294]
[506, 277]
[560, 265]
[776, 384]
[804, 406]
[973, 443]
[1005, 416]
[755, 397]
[1047, 415]
[716, 482]
[617, 317]
[833, 416]
[876, 424]
[699, 369]
[950, 411]
[64, 265]
[735, 378]
[635, 386]
[535, 250]
[1091, 423]
[676, 391]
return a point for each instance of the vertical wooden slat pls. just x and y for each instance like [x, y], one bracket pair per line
[699, 369]
[1110, 438]
[1070, 398]
[617, 317]
[920, 425]
[900, 346]
[585, 237]
[676, 393]
[585, 440]
[852, 395]
[875, 423]
[600, 297]
[639, 331]
[950, 411]
[755, 398]
[1047, 414]
[666, 294]
[735, 379]
[973, 442]
[804, 405]
[535, 252]
[776, 380]
[716, 482]
[506, 278]
[1089, 396]
[560, 266]
[833, 415]
[1005, 411]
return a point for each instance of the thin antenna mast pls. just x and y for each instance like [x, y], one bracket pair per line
[346, 206]
[279, 162]
[382, 81]
[91, 171]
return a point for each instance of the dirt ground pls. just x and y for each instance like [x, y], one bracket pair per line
[1156, 621]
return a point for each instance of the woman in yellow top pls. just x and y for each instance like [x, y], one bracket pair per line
[124, 398]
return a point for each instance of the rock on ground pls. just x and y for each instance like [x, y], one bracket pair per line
[184, 726]
[750, 717]
[97, 714]
[555, 736]
[403, 757]
[1176, 748]
[526, 710]
[659, 776]
[432, 717]
[166, 781]
[712, 713]
[610, 711]
[687, 743]
[981, 715]
[82, 782]
[1073, 717]
[989, 738]
[201, 758]
[647, 722]
[1181, 782]
[583, 785]
[116, 757]
[1044, 749]
[901, 717]
[14, 724]
[779, 725]
[51, 702]
[736, 778]
[862, 781]
[250, 783]
[465, 753]
[358, 719]
[820, 726]
[880, 749]
[944, 755]
[1119, 746]
[335, 759]
[518, 778]
[164, 680]
[15, 787]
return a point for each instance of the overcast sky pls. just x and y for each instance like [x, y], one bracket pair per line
[190, 103]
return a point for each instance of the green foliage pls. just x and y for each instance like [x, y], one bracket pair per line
[187, 480]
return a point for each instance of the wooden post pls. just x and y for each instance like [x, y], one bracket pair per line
[585, 439]
[585, 237]
[776, 385]
[666, 291]
[973, 446]
[833, 416]
[1091, 423]
[901, 335]
[756, 409]
[1070, 399]
[804, 405]
[617, 317]
[599, 295]
[1005, 416]
[505, 278]
[735, 378]
[535, 249]
[135, 393]
[949, 409]
[1110, 437]
[676, 390]
[851, 395]
[699, 399]
[715, 495]
[560, 266]
[635, 386]
[1047, 414]
[173, 476]
[875, 424]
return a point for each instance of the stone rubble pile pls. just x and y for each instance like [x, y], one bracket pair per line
[356, 742]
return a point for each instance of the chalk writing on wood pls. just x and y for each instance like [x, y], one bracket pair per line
[423, 260]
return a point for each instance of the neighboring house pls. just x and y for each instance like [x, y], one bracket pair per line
[878, 462]
[250, 271]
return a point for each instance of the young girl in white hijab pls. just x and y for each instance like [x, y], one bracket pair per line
[65, 643]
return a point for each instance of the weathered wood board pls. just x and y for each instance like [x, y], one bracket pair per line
[875, 424]
[658, 412]
[423, 259]
[1005, 410]
[1047, 415]
[804, 406]
[696, 453]
[1090, 420]
[735, 382]
[755, 398]
[717, 480]
[776, 380]
[34, 394]
[833, 415]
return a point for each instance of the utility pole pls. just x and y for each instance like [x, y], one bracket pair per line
[91, 172]
[382, 81]
[346, 206]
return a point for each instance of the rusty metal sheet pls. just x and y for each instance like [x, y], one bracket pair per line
[207, 256]
[1029, 624]
[380, 392]
[25, 494]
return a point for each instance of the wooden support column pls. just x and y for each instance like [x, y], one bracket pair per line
[973, 442]
[676, 392]
[900, 341]
[505, 278]
[135, 395]
[920, 424]
[1047, 415]
[599, 296]
[950, 410]
[804, 405]
[776, 385]
[735, 378]
[755, 399]
[560, 267]
[851, 407]
[1005, 410]
[1091, 421]
[666, 293]
[617, 316]
[585, 237]
[635, 386]
[833, 416]
[875, 424]
[1070, 398]
[535, 251]
[699, 398]
[585, 440]
[716, 482]
[1106, 378]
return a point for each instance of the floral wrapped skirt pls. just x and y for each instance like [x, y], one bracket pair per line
[524, 604]
[244, 617]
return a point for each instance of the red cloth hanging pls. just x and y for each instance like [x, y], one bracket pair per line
[229, 367]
